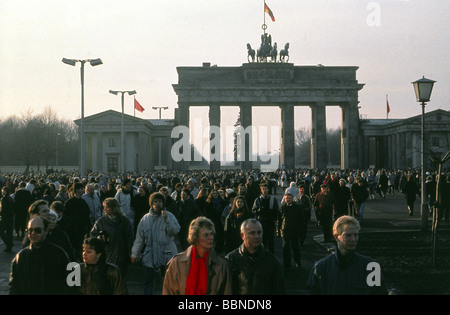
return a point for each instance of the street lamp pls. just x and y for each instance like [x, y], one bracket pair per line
[423, 88]
[160, 107]
[72, 62]
[122, 134]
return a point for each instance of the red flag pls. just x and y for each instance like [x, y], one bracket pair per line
[388, 109]
[268, 11]
[138, 106]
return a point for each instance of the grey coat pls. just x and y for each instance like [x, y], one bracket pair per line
[155, 235]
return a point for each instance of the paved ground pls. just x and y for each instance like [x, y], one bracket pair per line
[381, 215]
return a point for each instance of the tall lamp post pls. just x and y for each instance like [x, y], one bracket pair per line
[159, 141]
[72, 62]
[423, 88]
[122, 134]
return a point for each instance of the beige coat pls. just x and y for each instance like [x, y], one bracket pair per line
[219, 275]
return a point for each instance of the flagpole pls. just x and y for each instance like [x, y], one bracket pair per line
[264, 12]
[134, 106]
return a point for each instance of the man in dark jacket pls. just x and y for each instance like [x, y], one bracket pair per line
[342, 198]
[41, 267]
[289, 226]
[303, 200]
[78, 210]
[188, 211]
[254, 270]
[23, 199]
[360, 194]
[265, 209]
[324, 206]
[346, 272]
[6, 219]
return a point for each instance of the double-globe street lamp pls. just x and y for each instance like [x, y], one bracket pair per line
[122, 134]
[72, 62]
[160, 108]
[423, 88]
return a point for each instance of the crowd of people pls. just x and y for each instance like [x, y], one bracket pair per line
[179, 225]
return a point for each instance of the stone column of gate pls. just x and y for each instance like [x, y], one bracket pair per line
[318, 136]
[214, 139]
[246, 122]
[352, 157]
[344, 136]
[183, 120]
[287, 136]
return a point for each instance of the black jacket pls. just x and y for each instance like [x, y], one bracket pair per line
[232, 229]
[257, 274]
[265, 209]
[40, 271]
[7, 209]
[290, 220]
[304, 202]
[336, 274]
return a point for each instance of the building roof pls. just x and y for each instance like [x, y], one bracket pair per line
[379, 122]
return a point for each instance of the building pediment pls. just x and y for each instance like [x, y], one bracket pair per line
[109, 117]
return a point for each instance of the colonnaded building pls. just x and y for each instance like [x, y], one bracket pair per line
[155, 144]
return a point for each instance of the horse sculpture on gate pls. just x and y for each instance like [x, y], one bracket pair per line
[266, 50]
[274, 53]
[251, 53]
[284, 53]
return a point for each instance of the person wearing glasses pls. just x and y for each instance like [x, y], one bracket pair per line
[346, 272]
[40, 268]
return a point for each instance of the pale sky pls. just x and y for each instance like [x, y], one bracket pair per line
[141, 42]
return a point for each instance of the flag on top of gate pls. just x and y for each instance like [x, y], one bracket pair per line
[138, 106]
[268, 11]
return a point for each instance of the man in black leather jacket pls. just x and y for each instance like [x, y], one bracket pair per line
[346, 272]
[41, 267]
[254, 270]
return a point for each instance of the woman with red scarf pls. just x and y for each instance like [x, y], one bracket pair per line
[198, 270]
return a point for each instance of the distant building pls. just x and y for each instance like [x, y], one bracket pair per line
[396, 143]
[383, 143]
[147, 142]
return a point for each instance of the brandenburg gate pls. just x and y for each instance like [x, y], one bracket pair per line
[276, 84]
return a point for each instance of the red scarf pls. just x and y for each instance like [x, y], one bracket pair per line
[198, 274]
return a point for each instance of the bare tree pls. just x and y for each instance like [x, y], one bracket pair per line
[31, 140]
